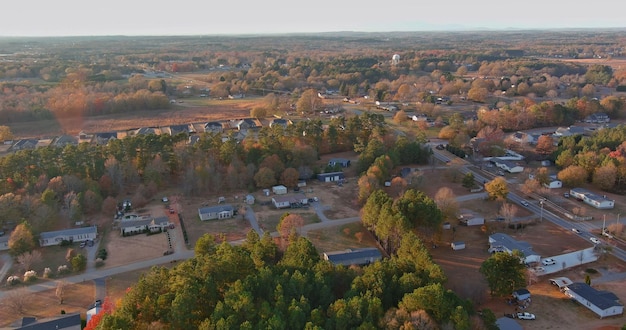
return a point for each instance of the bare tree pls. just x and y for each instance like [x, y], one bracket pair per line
[446, 201]
[508, 211]
[27, 259]
[60, 291]
[17, 300]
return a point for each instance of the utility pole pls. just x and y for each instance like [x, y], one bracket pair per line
[604, 224]
[541, 213]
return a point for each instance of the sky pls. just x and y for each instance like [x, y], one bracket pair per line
[194, 17]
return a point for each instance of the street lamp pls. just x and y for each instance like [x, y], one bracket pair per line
[541, 213]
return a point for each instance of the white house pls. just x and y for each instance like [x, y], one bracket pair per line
[225, 211]
[72, 235]
[597, 201]
[553, 184]
[144, 225]
[249, 199]
[508, 166]
[457, 245]
[500, 242]
[603, 303]
[284, 201]
[469, 218]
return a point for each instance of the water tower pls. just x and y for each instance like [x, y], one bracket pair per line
[395, 59]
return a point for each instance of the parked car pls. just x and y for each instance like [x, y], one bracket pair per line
[525, 203]
[576, 230]
[548, 262]
[595, 240]
[566, 195]
[165, 199]
[168, 252]
[90, 243]
[83, 244]
[525, 316]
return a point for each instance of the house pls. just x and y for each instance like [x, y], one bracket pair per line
[214, 127]
[457, 245]
[569, 131]
[92, 312]
[279, 190]
[597, 201]
[249, 199]
[603, 303]
[553, 184]
[64, 140]
[193, 139]
[332, 176]
[293, 200]
[139, 226]
[598, 118]
[218, 212]
[279, 122]
[103, 138]
[507, 165]
[72, 235]
[351, 257]
[4, 242]
[521, 294]
[61, 322]
[24, 144]
[521, 137]
[339, 161]
[500, 242]
[469, 218]
[245, 124]
[145, 131]
[179, 129]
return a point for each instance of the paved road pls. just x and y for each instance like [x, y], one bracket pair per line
[534, 206]
[252, 219]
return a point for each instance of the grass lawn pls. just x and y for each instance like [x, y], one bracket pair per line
[341, 238]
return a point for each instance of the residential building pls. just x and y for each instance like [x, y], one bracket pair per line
[82, 234]
[603, 303]
[245, 124]
[153, 225]
[507, 165]
[279, 190]
[214, 127]
[359, 257]
[145, 131]
[279, 122]
[218, 212]
[64, 140]
[595, 200]
[293, 200]
[553, 184]
[332, 176]
[24, 144]
[178, 129]
[103, 138]
[339, 161]
[500, 242]
[598, 118]
[61, 322]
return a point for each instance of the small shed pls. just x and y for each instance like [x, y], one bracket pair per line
[446, 225]
[266, 192]
[279, 190]
[249, 199]
[521, 294]
[457, 245]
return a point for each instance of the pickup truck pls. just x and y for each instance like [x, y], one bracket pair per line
[525, 316]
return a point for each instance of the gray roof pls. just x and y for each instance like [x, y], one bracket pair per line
[602, 299]
[58, 322]
[72, 231]
[338, 257]
[216, 209]
[505, 323]
[590, 195]
[293, 198]
[511, 244]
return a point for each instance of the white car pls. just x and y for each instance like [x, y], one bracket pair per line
[165, 200]
[576, 230]
[548, 262]
[595, 240]
[525, 316]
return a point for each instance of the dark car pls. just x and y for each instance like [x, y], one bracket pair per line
[168, 252]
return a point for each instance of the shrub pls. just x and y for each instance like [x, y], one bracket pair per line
[47, 272]
[30, 276]
[591, 271]
[102, 254]
[99, 262]
[13, 280]
[63, 269]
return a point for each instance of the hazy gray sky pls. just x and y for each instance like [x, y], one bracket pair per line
[154, 17]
